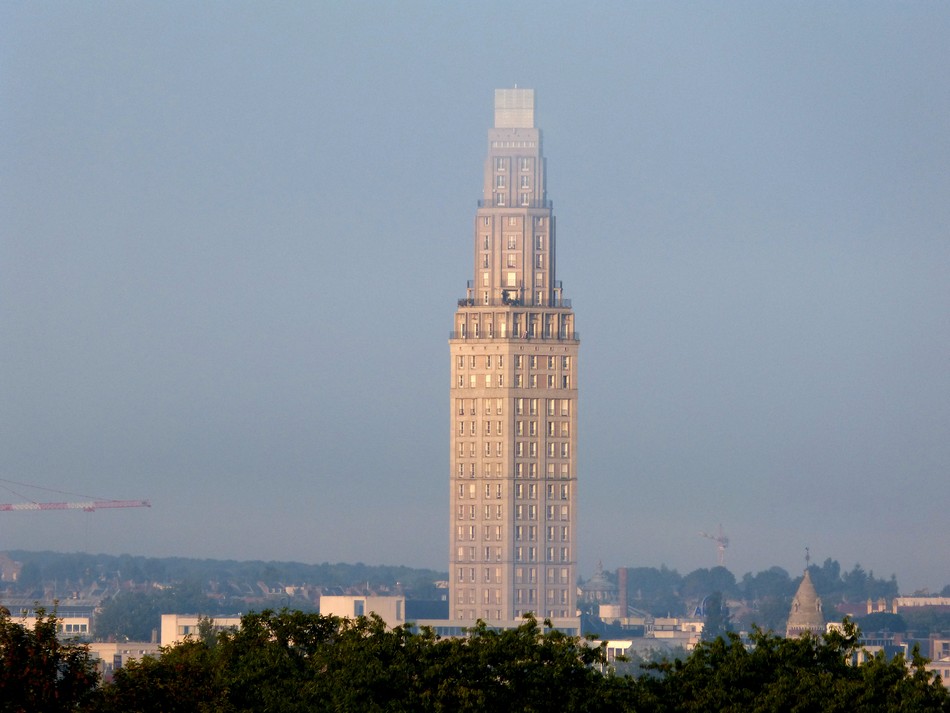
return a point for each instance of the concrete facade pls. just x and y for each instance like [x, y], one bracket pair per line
[178, 627]
[391, 609]
[513, 397]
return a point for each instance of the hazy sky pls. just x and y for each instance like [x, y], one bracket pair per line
[233, 236]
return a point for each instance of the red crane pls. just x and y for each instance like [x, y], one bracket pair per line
[89, 505]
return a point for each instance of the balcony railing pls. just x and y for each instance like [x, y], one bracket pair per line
[472, 302]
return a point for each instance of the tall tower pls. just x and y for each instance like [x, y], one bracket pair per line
[513, 397]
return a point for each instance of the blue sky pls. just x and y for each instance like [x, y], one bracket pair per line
[228, 227]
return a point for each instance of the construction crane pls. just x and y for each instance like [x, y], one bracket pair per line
[89, 505]
[721, 540]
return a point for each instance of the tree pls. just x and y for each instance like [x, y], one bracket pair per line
[806, 673]
[38, 672]
[716, 613]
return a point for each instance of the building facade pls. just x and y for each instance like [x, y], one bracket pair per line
[513, 397]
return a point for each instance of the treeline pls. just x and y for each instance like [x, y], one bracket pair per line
[766, 595]
[79, 570]
[294, 663]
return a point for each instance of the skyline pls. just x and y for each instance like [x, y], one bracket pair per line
[211, 210]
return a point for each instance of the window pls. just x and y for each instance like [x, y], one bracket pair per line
[512, 242]
[525, 182]
[565, 382]
[539, 279]
[550, 381]
[500, 163]
[519, 361]
[499, 181]
[512, 278]
[512, 260]
[565, 450]
[488, 366]
[533, 428]
[534, 381]
[472, 381]
[524, 163]
[538, 242]
[487, 381]
[512, 220]
[565, 407]
[485, 242]
[499, 199]
[533, 407]
[539, 260]
[566, 363]
[519, 407]
[565, 491]
[525, 199]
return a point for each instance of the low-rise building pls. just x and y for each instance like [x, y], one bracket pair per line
[178, 627]
[391, 609]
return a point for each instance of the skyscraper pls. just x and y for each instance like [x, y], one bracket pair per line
[513, 397]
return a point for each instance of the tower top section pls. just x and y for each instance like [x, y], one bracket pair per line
[514, 108]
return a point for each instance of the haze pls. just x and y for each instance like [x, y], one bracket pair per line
[233, 236]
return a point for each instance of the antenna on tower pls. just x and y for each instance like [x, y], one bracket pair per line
[721, 540]
[807, 558]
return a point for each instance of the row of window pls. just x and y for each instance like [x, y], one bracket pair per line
[553, 491]
[467, 532]
[529, 533]
[555, 429]
[531, 361]
[514, 220]
[530, 512]
[524, 182]
[501, 200]
[553, 470]
[471, 491]
[529, 575]
[467, 554]
[552, 554]
[532, 383]
[524, 325]
[512, 241]
[471, 511]
[524, 162]
[553, 407]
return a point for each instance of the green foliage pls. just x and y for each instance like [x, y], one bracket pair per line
[798, 674]
[292, 662]
[37, 671]
[133, 615]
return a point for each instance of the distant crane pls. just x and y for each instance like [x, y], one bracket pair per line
[721, 540]
[89, 505]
